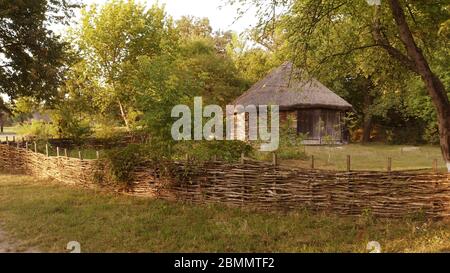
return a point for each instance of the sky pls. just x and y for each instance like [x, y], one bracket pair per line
[221, 15]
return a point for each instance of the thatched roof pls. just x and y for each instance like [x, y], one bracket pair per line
[282, 87]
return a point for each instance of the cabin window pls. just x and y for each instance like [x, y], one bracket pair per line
[308, 121]
[319, 123]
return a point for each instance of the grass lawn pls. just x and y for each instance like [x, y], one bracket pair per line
[46, 216]
[8, 132]
[371, 157]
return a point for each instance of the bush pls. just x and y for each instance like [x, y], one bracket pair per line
[205, 150]
[107, 129]
[122, 161]
[291, 146]
[38, 129]
[160, 155]
[71, 126]
[431, 134]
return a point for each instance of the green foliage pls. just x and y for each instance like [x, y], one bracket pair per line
[431, 134]
[33, 57]
[209, 72]
[189, 27]
[106, 129]
[122, 161]
[334, 41]
[254, 64]
[24, 108]
[291, 146]
[70, 125]
[38, 129]
[206, 150]
[111, 40]
[161, 156]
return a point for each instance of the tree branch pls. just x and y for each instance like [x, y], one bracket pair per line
[383, 42]
[347, 52]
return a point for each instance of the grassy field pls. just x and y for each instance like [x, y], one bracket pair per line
[46, 216]
[371, 157]
[8, 132]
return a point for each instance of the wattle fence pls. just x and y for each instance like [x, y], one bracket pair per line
[259, 185]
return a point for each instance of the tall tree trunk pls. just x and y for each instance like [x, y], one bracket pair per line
[123, 114]
[368, 117]
[1, 123]
[434, 85]
[367, 128]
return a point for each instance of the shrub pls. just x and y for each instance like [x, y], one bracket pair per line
[121, 162]
[160, 156]
[107, 129]
[431, 134]
[71, 126]
[204, 150]
[291, 146]
[38, 129]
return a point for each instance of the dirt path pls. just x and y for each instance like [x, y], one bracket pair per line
[8, 246]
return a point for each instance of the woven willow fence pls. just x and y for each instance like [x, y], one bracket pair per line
[258, 185]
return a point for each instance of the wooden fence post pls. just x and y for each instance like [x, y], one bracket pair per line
[65, 152]
[389, 168]
[35, 147]
[46, 149]
[26, 145]
[313, 163]
[7, 141]
[349, 162]
[97, 153]
[274, 159]
[57, 151]
[79, 155]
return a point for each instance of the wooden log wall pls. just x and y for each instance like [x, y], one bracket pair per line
[260, 185]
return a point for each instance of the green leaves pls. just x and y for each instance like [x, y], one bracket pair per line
[113, 39]
[33, 56]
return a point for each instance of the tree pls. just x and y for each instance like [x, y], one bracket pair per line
[405, 32]
[111, 40]
[33, 56]
[4, 112]
[201, 66]
[205, 63]
[24, 108]
[189, 26]
[209, 73]
[417, 62]
[253, 63]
